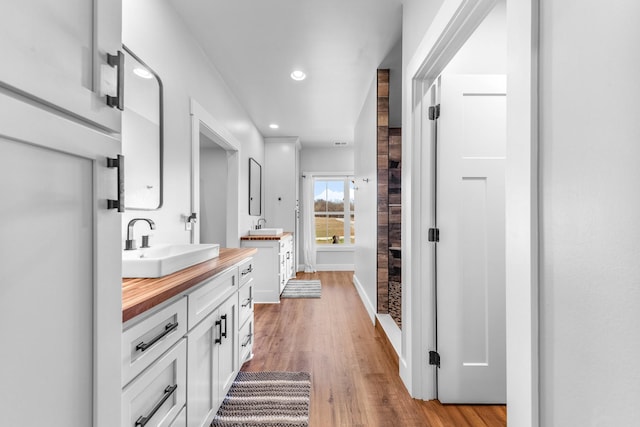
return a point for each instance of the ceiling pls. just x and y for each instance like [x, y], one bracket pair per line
[256, 44]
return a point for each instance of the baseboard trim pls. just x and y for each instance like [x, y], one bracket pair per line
[334, 267]
[368, 305]
[387, 344]
[391, 330]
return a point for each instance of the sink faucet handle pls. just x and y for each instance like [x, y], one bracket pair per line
[129, 244]
[145, 241]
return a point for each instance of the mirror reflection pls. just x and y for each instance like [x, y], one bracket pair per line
[255, 187]
[142, 135]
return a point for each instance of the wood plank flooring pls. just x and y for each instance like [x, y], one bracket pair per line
[354, 371]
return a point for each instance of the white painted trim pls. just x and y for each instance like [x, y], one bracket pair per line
[368, 305]
[392, 330]
[522, 264]
[335, 267]
[454, 22]
[203, 122]
[335, 248]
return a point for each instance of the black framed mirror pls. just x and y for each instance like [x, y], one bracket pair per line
[255, 187]
[142, 134]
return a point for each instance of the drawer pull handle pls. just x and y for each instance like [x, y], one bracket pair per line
[219, 334]
[170, 327]
[223, 334]
[142, 421]
[247, 302]
[247, 271]
[247, 340]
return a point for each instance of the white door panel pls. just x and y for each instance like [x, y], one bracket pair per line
[56, 51]
[470, 253]
[60, 292]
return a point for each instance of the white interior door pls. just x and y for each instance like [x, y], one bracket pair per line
[470, 262]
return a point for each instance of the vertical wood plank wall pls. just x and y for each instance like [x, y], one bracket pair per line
[395, 221]
[383, 190]
[389, 162]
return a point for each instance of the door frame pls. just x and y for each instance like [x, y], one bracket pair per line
[203, 122]
[453, 24]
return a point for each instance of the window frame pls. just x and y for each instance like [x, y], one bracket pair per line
[347, 212]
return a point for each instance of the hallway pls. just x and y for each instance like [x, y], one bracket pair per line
[354, 369]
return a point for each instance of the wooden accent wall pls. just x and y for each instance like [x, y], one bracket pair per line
[395, 225]
[389, 163]
[383, 191]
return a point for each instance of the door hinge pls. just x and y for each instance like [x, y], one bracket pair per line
[434, 235]
[434, 112]
[434, 358]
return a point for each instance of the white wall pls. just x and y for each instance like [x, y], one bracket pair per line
[590, 213]
[365, 150]
[485, 52]
[153, 31]
[416, 18]
[327, 160]
[393, 61]
[213, 192]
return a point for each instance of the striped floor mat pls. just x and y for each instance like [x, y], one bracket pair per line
[302, 289]
[266, 399]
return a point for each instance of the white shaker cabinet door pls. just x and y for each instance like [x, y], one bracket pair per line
[56, 52]
[60, 271]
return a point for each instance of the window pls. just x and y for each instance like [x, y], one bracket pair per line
[333, 211]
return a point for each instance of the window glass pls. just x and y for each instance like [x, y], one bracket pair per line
[331, 208]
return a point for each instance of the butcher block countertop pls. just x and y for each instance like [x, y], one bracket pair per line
[275, 237]
[139, 295]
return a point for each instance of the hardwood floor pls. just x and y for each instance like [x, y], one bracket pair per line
[354, 371]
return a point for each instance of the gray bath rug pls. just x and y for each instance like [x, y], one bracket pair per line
[302, 289]
[266, 399]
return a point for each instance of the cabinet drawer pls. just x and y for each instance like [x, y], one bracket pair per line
[144, 341]
[210, 295]
[245, 302]
[181, 419]
[246, 271]
[159, 393]
[246, 341]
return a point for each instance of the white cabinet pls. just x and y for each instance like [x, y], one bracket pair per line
[212, 364]
[158, 395]
[195, 338]
[245, 316]
[60, 244]
[56, 53]
[151, 336]
[274, 261]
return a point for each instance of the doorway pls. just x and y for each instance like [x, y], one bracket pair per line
[451, 27]
[213, 192]
[215, 177]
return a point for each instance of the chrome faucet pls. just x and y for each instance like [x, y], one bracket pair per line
[130, 243]
[258, 226]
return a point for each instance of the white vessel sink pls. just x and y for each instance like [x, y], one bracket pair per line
[163, 259]
[266, 232]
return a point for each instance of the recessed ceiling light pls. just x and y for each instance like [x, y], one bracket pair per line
[298, 75]
[142, 72]
[274, 126]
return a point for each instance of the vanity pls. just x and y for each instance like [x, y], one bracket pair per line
[274, 260]
[184, 338]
